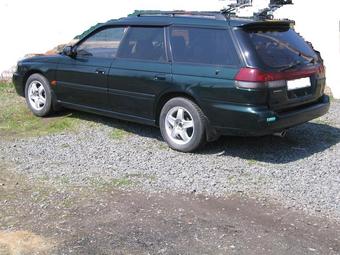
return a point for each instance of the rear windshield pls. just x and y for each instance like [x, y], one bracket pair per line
[281, 48]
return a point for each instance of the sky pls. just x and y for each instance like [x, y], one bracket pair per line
[36, 26]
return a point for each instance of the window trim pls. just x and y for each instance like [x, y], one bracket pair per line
[167, 60]
[98, 30]
[237, 58]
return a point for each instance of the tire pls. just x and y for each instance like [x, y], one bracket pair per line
[39, 96]
[182, 125]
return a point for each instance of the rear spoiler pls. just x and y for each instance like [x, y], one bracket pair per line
[268, 24]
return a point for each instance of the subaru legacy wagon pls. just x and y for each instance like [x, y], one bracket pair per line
[197, 76]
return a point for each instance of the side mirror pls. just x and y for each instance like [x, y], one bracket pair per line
[69, 51]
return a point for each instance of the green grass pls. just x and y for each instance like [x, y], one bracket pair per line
[252, 162]
[17, 120]
[123, 182]
[322, 122]
[118, 134]
[6, 88]
[108, 184]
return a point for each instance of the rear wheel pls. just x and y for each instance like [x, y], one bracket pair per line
[182, 124]
[38, 95]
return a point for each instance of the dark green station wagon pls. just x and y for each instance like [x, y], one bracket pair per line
[196, 75]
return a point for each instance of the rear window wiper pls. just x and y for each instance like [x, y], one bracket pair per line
[291, 66]
[296, 64]
[311, 59]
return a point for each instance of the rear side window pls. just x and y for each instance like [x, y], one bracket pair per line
[145, 43]
[203, 46]
[103, 44]
[281, 48]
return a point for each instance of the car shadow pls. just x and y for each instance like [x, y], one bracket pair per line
[130, 127]
[299, 143]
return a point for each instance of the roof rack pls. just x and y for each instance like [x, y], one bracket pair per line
[197, 14]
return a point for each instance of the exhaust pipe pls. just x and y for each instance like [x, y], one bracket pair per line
[281, 134]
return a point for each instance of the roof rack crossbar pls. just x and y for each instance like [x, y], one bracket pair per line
[212, 14]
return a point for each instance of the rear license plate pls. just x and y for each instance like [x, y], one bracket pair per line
[299, 83]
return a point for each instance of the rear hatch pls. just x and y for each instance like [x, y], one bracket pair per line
[292, 71]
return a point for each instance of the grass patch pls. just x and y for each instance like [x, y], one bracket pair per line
[108, 184]
[17, 120]
[163, 146]
[252, 162]
[6, 88]
[123, 182]
[118, 134]
[321, 122]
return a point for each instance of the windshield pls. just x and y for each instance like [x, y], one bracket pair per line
[282, 48]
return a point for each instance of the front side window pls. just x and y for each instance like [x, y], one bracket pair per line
[202, 46]
[103, 44]
[145, 43]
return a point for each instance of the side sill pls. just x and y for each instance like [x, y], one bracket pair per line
[109, 114]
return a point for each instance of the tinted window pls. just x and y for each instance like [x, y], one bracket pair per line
[200, 45]
[103, 44]
[281, 48]
[144, 43]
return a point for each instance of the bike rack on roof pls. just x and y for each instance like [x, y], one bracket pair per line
[264, 14]
[224, 14]
[268, 13]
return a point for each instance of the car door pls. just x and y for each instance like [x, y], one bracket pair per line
[82, 79]
[140, 72]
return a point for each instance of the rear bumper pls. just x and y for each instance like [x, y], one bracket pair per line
[18, 81]
[258, 121]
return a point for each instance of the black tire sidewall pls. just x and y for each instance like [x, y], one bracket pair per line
[198, 118]
[47, 109]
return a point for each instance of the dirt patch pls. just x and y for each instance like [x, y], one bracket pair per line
[92, 220]
[23, 242]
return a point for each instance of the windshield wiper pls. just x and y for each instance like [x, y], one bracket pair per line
[298, 52]
[296, 64]
[291, 66]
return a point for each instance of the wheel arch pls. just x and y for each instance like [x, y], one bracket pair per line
[211, 133]
[168, 96]
[28, 74]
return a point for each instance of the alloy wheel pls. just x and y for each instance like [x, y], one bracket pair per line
[36, 95]
[179, 125]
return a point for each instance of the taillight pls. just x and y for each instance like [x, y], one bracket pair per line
[253, 78]
[253, 75]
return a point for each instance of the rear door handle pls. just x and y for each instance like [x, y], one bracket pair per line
[100, 71]
[159, 77]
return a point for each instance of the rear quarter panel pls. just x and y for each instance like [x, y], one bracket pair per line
[214, 87]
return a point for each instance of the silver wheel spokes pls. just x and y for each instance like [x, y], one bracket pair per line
[37, 95]
[179, 125]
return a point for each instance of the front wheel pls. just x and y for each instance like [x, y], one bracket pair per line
[182, 124]
[38, 95]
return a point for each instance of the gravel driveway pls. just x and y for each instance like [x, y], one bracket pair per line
[301, 171]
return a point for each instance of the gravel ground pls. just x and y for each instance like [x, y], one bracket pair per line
[301, 171]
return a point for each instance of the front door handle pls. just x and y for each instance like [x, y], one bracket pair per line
[159, 77]
[100, 71]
